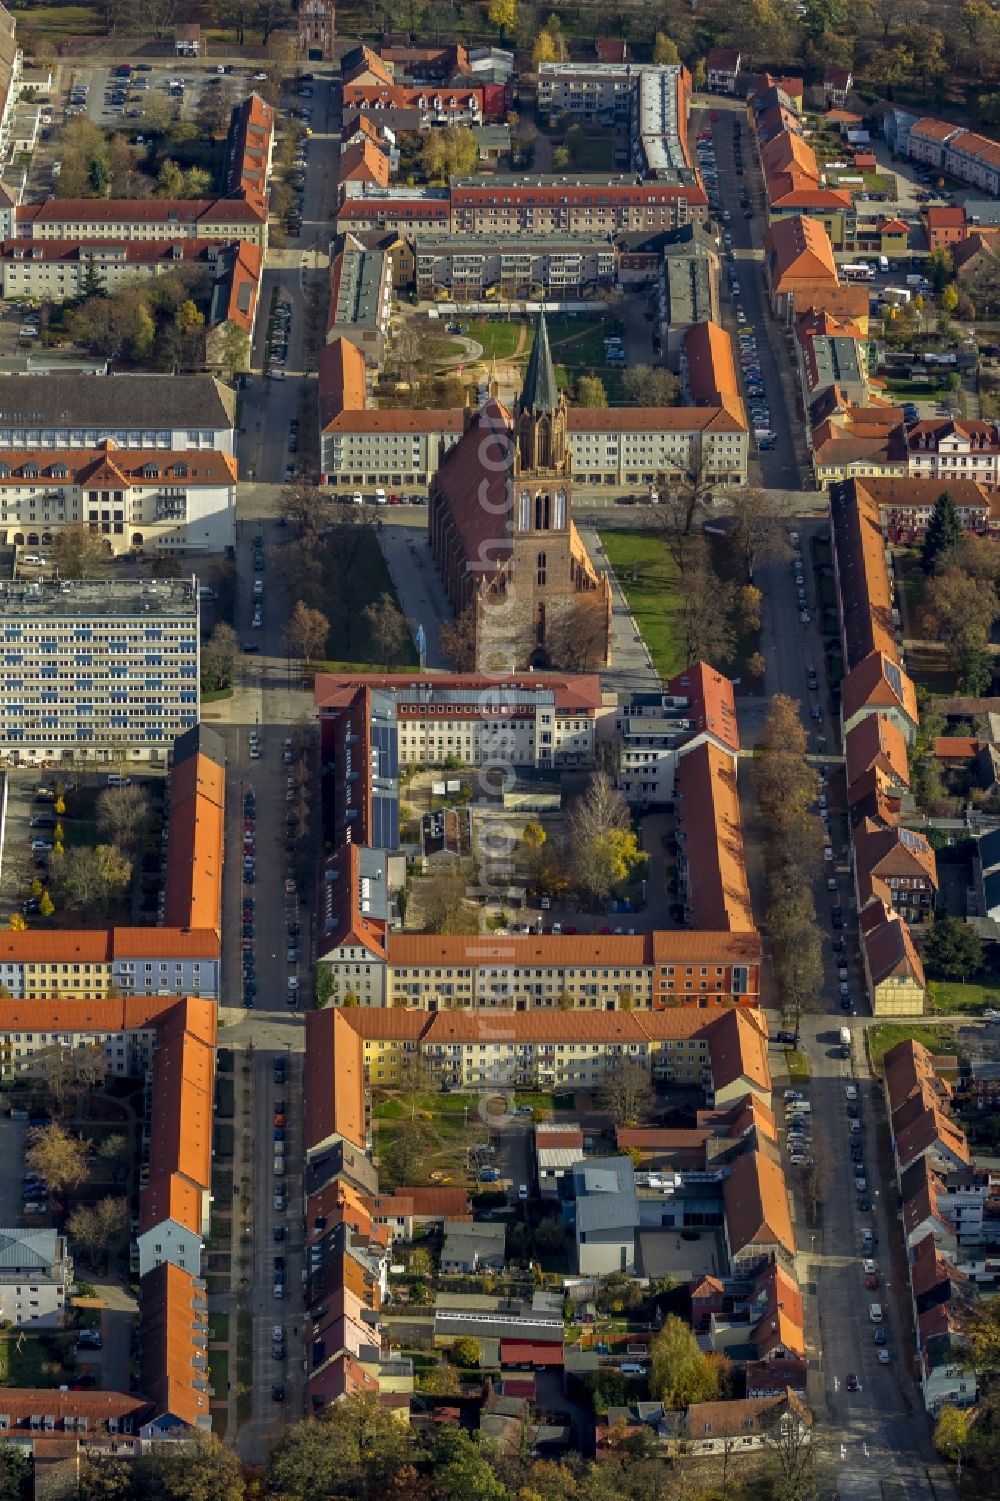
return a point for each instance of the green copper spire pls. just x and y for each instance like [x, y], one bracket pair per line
[539, 392]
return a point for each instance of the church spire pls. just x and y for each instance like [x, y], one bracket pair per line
[539, 392]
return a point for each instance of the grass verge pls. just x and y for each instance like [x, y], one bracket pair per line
[797, 1064]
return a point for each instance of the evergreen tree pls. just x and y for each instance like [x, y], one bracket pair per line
[944, 532]
[92, 286]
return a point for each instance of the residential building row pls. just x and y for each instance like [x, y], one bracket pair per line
[961, 153]
[170, 1042]
[944, 1199]
[181, 956]
[241, 214]
[895, 869]
[613, 446]
[722, 1052]
[61, 270]
[539, 203]
[146, 462]
[651, 101]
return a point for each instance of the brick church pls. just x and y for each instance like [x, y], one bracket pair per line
[501, 530]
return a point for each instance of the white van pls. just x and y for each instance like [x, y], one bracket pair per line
[117, 779]
[800, 1107]
[875, 1313]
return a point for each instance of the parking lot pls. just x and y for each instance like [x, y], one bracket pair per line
[114, 97]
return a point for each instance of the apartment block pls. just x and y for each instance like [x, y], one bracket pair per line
[473, 266]
[84, 219]
[656, 729]
[173, 414]
[954, 449]
[361, 445]
[725, 1053]
[360, 298]
[36, 1273]
[142, 500]
[58, 270]
[576, 203]
[97, 669]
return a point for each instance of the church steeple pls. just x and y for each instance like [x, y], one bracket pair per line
[540, 414]
[540, 392]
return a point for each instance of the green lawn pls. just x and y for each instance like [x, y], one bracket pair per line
[35, 1360]
[951, 998]
[577, 346]
[53, 22]
[651, 584]
[917, 388]
[797, 1064]
[649, 580]
[939, 1039]
[592, 151]
[497, 336]
[218, 1373]
[371, 580]
[218, 1326]
[432, 1103]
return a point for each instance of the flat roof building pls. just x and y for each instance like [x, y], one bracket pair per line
[97, 669]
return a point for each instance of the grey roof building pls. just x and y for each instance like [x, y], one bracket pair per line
[35, 1276]
[606, 1215]
[110, 402]
[473, 1246]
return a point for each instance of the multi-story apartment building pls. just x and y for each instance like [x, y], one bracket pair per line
[402, 209]
[36, 1273]
[469, 266]
[88, 963]
[58, 270]
[371, 725]
[947, 448]
[608, 445]
[94, 669]
[10, 80]
[562, 1049]
[144, 500]
[360, 298]
[575, 203]
[972, 158]
[656, 729]
[171, 413]
[359, 443]
[651, 101]
[236, 218]
[383, 967]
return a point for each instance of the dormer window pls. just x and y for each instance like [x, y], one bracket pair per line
[30, 471]
[180, 471]
[59, 471]
[151, 471]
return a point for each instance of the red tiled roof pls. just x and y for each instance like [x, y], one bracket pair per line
[756, 1204]
[334, 1080]
[712, 702]
[524, 1352]
[173, 1344]
[718, 893]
